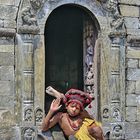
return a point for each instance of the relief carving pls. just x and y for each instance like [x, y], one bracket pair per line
[28, 16]
[29, 134]
[28, 115]
[116, 114]
[117, 23]
[38, 115]
[117, 132]
[89, 51]
[36, 4]
[89, 75]
[105, 113]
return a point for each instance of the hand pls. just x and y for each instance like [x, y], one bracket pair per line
[55, 105]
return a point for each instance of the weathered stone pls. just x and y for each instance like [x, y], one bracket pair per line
[138, 86]
[28, 86]
[7, 2]
[7, 48]
[39, 72]
[7, 41]
[6, 59]
[131, 114]
[133, 74]
[127, 11]
[114, 59]
[7, 32]
[8, 12]
[9, 23]
[133, 53]
[131, 100]
[131, 22]
[30, 66]
[132, 31]
[130, 2]
[132, 63]
[28, 61]
[131, 86]
[7, 73]
[131, 133]
[138, 108]
[1, 23]
[7, 88]
[115, 85]
[6, 101]
[133, 39]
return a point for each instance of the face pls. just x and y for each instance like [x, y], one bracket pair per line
[73, 109]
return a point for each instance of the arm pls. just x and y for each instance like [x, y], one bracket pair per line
[50, 121]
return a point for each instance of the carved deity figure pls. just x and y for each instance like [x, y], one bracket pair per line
[36, 4]
[29, 134]
[28, 115]
[89, 81]
[28, 17]
[116, 114]
[89, 51]
[117, 131]
[39, 115]
[106, 113]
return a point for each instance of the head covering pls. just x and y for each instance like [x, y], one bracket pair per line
[82, 98]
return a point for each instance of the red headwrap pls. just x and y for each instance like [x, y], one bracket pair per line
[82, 98]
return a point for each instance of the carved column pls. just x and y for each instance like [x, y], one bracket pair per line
[89, 64]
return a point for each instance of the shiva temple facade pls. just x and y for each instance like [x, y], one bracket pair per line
[92, 45]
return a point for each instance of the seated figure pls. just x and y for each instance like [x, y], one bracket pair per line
[75, 121]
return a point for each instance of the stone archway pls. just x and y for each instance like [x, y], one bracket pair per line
[30, 56]
[70, 36]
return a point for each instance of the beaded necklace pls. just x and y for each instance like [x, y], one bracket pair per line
[73, 125]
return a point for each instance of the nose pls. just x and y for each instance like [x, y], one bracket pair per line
[74, 109]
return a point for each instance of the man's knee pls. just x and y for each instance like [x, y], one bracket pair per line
[96, 132]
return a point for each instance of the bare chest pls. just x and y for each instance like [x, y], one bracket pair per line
[70, 126]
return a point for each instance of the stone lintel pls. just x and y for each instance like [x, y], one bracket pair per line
[7, 32]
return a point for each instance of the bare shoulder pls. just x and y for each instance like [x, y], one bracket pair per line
[85, 114]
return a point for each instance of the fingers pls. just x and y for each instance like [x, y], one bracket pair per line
[56, 102]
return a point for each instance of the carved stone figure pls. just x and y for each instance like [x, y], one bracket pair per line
[28, 17]
[29, 134]
[36, 4]
[89, 51]
[106, 113]
[117, 131]
[89, 81]
[28, 115]
[39, 115]
[116, 114]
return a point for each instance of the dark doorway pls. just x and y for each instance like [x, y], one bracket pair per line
[64, 48]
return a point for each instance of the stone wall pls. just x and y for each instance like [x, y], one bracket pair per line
[122, 70]
[130, 11]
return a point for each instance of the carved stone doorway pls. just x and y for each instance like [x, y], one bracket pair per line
[68, 58]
